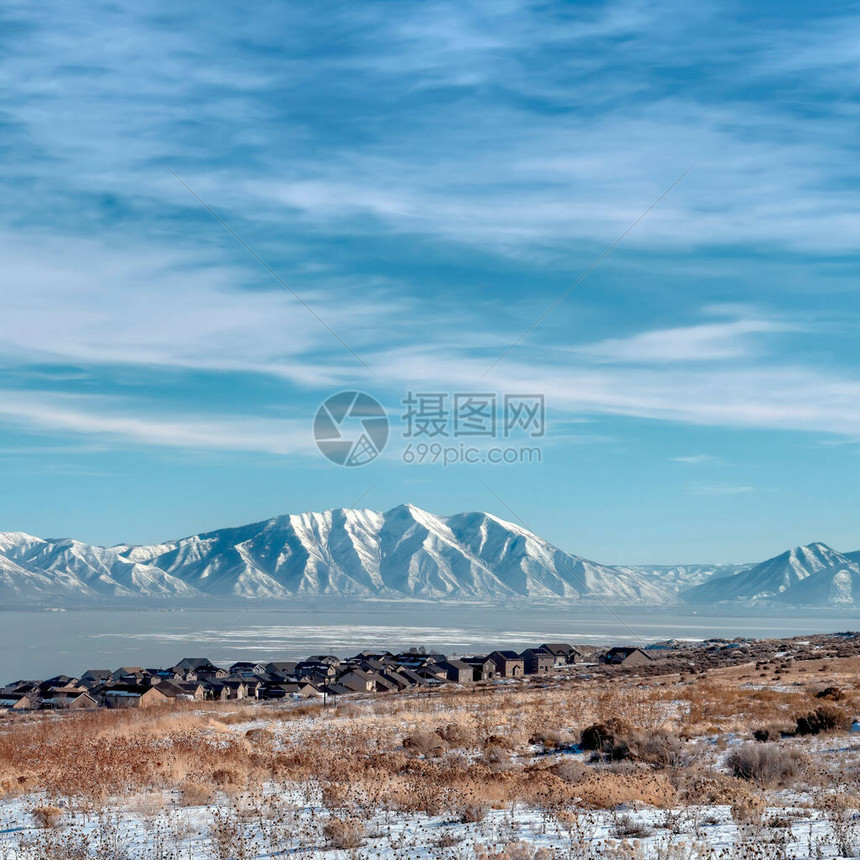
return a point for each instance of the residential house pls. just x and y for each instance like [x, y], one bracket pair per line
[358, 681]
[94, 677]
[247, 669]
[626, 656]
[59, 698]
[280, 669]
[509, 664]
[177, 690]
[536, 662]
[483, 668]
[413, 678]
[383, 685]
[19, 702]
[127, 672]
[433, 671]
[236, 688]
[201, 667]
[457, 671]
[315, 669]
[133, 696]
[563, 653]
[395, 678]
[84, 702]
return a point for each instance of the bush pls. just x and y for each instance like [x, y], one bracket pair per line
[748, 808]
[344, 833]
[618, 742]
[472, 813]
[548, 739]
[47, 816]
[601, 737]
[570, 770]
[424, 743]
[766, 764]
[454, 734]
[834, 694]
[195, 793]
[825, 718]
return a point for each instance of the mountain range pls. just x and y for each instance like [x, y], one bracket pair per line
[402, 553]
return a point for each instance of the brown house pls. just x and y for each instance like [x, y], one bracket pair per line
[564, 654]
[626, 657]
[483, 668]
[457, 671]
[536, 662]
[133, 696]
[509, 664]
[358, 681]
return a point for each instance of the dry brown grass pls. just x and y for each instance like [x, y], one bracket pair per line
[458, 753]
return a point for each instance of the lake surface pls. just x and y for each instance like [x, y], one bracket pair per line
[42, 643]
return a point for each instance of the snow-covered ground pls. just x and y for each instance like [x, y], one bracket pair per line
[281, 822]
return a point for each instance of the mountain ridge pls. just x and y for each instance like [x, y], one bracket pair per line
[405, 552]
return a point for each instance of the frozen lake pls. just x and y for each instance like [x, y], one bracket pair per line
[38, 644]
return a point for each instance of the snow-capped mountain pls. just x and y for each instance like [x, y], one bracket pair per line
[812, 575]
[402, 552]
[679, 577]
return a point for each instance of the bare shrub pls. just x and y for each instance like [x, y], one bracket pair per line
[618, 742]
[344, 833]
[625, 826]
[47, 816]
[844, 825]
[548, 739]
[498, 758]
[834, 694]
[455, 735]
[471, 813]
[748, 808]
[825, 718]
[766, 764]
[260, 735]
[424, 743]
[601, 737]
[570, 770]
[193, 793]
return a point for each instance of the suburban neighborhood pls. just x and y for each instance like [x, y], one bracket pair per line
[324, 675]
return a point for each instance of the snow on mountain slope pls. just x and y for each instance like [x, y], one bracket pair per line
[782, 577]
[678, 577]
[835, 586]
[402, 552]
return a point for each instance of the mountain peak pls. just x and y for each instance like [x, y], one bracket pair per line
[404, 552]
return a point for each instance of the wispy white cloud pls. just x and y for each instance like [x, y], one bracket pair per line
[117, 420]
[720, 490]
[695, 459]
[704, 342]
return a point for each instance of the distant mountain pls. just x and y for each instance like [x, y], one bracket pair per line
[403, 552]
[679, 577]
[812, 575]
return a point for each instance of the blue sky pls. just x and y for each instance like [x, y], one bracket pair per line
[429, 178]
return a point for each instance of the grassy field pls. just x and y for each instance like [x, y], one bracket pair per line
[750, 759]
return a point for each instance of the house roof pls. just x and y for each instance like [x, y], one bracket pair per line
[195, 663]
[359, 673]
[171, 689]
[507, 655]
[556, 648]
